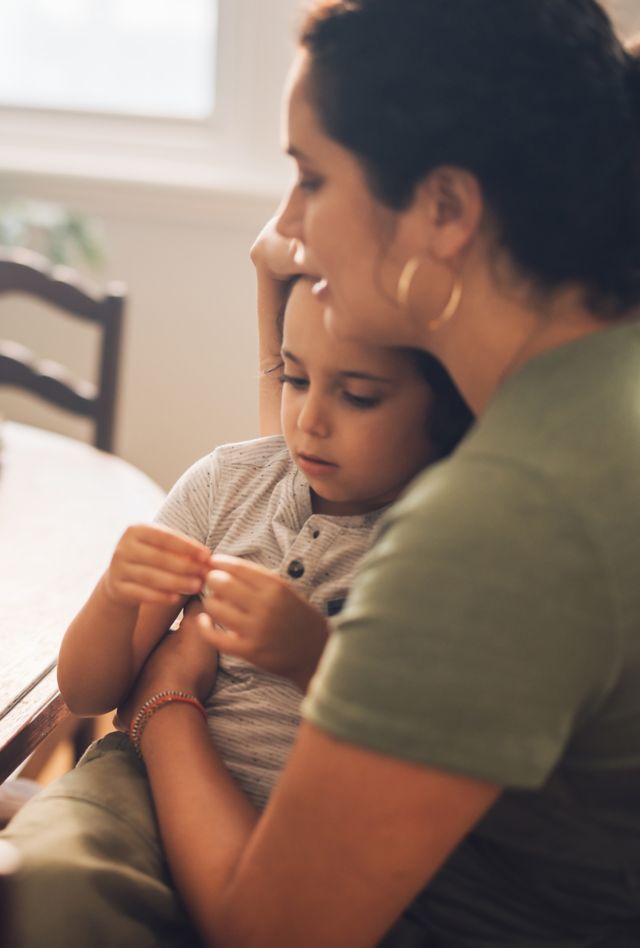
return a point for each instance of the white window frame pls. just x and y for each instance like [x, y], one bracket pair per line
[237, 148]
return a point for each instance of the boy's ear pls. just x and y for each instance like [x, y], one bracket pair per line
[448, 206]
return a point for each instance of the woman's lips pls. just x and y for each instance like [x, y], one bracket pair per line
[320, 289]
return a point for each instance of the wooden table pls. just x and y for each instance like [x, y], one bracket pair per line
[63, 505]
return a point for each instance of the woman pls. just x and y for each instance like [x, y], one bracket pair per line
[469, 182]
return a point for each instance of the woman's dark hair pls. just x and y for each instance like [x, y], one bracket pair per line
[537, 98]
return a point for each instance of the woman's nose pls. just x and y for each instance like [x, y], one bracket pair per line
[289, 215]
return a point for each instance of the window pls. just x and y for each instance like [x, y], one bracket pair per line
[136, 57]
[166, 92]
[625, 15]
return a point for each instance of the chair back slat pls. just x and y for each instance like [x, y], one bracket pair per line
[25, 272]
[47, 379]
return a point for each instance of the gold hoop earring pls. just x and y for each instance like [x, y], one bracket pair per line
[405, 280]
[450, 309]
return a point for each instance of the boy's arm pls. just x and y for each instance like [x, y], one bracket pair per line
[152, 572]
[103, 650]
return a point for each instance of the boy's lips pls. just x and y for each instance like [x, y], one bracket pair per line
[315, 458]
[312, 464]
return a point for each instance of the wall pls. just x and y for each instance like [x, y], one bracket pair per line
[190, 350]
[625, 13]
[189, 360]
[189, 377]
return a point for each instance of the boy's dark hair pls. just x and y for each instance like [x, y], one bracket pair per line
[450, 417]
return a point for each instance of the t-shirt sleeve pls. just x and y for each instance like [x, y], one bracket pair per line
[478, 632]
[187, 507]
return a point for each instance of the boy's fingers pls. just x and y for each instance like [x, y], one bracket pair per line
[143, 594]
[165, 539]
[160, 580]
[229, 615]
[226, 642]
[252, 574]
[166, 560]
[233, 588]
[203, 622]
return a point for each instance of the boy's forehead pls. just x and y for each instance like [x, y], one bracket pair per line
[306, 338]
[303, 314]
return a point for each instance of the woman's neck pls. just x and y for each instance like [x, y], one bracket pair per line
[495, 332]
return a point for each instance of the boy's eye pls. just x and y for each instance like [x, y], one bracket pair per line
[361, 401]
[296, 381]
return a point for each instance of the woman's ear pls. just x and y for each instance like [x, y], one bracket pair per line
[449, 205]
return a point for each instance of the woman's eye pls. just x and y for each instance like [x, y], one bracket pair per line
[295, 380]
[361, 401]
[309, 183]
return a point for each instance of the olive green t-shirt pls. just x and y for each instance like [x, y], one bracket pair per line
[494, 631]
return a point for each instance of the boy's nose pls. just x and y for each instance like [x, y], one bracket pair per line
[312, 419]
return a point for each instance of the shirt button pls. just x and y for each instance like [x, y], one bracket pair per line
[295, 569]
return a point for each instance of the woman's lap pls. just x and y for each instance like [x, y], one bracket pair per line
[94, 872]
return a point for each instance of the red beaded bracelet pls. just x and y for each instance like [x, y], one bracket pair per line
[155, 703]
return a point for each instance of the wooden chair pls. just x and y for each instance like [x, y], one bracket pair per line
[25, 272]
[28, 273]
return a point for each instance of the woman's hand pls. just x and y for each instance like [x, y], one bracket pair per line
[265, 620]
[184, 660]
[155, 565]
[279, 257]
[276, 256]
[276, 260]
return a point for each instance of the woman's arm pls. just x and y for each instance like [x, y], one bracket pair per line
[152, 572]
[272, 258]
[348, 838]
[269, 302]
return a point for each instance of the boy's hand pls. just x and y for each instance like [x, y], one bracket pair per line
[152, 564]
[265, 620]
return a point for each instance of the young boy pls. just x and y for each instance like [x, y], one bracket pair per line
[288, 519]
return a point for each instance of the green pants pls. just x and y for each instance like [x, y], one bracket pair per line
[94, 876]
[94, 873]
